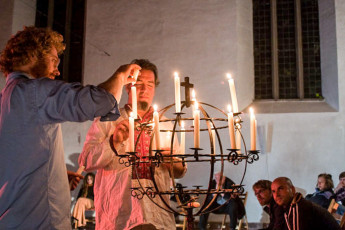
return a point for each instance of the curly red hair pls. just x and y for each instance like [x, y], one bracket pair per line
[30, 42]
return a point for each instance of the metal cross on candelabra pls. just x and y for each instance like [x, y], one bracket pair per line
[188, 198]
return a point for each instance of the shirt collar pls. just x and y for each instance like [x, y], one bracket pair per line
[147, 116]
[14, 75]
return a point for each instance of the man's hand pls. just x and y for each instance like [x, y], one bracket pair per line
[121, 77]
[74, 179]
[178, 168]
[121, 132]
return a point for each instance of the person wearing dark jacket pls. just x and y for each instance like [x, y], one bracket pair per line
[263, 193]
[84, 199]
[340, 189]
[234, 208]
[324, 191]
[299, 213]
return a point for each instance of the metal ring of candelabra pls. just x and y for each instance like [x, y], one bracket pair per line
[155, 159]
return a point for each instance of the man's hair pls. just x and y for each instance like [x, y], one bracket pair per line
[265, 184]
[328, 178]
[341, 175]
[28, 43]
[146, 64]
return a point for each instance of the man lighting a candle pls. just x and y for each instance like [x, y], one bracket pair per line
[34, 190]
[116, 208]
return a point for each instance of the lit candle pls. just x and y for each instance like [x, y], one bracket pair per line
[177, 93]
[131, 133]
[252, 130]
[231, 128]
[196, 116]
[193, 95]
[168, 139]
[183, 138]
[134, 101]
[156, 127]
[233, 93]
[193, 100]
[213, 138]
[238, 138]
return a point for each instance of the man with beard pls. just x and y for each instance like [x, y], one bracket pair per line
[115, 206]
[263, 193]
[300, 213]
[34, 188]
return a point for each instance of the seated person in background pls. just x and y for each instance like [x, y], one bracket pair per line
[324, 191]
[84, 199]
[234, 208]
[263, 193]
[300, 213]
[340, 189]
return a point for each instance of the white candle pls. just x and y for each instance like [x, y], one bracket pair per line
[213, 138]
[238, 137]
[135, 74]
[131, 133]
[252, 130]
[196, 116]
[231, 128]
[168, 139]
[134, 101]
[193, 100]
[233, 93]
[177, 93]
[156, 127]
[193, 95]
[183, 139]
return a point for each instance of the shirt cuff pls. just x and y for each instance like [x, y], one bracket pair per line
[113, 115]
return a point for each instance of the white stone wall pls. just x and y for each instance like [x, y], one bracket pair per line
[203, 40]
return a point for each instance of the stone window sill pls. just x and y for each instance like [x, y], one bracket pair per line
[291, 106]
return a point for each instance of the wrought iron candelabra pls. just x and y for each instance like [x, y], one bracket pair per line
[187, 199]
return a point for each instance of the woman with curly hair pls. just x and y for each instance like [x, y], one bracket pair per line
[84, 199]
[34, 188]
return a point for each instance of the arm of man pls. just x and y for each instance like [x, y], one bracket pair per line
[115, 83]
[97, 152]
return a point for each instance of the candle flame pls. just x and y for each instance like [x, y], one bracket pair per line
[251, 110]
[182, 124]
[155, 107]
[228, 75]
[229, 108]
[131, 114]
[176, 74]
[193, 94]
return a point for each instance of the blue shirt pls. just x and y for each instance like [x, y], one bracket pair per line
[34, 189]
